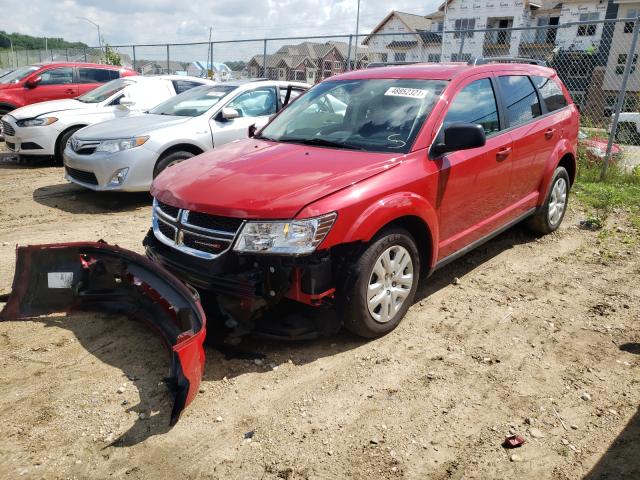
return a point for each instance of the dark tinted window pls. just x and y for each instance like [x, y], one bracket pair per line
[96, 75]
[520, 99]
[57, 76]
[475, 103]
[184, 85]
[551, 93]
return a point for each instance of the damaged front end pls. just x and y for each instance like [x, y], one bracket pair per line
[100, 277]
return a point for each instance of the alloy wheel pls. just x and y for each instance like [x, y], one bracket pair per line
[557, 201]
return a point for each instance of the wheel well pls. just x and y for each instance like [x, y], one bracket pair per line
[63, 133]
[569, 163]
[6, 107]
[420, 233]
[181, 147]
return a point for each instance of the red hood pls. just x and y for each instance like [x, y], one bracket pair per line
[260, 179]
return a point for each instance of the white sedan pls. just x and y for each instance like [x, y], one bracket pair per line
[43, 129]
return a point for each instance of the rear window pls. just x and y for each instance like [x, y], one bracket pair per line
[96, 75]
[519, 98]
[551, 93]
[181, 86]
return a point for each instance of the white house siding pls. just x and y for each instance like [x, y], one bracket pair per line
[483, 11]
[568, 38]
[621, 44]
[378, 43]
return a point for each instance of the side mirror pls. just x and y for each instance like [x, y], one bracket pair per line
[459, 136]
[229, 113]
[252, 130]
[127, 103]
[33, 82]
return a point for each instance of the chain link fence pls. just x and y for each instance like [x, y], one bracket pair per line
[596, 60]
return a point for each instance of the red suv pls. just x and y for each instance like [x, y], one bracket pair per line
[53, 81]
[365, 183]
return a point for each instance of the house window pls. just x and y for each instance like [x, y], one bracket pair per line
[628, 26]
[337, 65]
[433, 58]
[622, 62]
[327, 71]
[299, 76]
[465, 57]
[400, 57]
[588, 30]
[464, 24]
[281, 74]
[437, 26]
[383, 57]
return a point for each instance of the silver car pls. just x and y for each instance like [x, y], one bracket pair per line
[127, 153]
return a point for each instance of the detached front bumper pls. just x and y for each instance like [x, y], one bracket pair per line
[95, 170]
[101, 277]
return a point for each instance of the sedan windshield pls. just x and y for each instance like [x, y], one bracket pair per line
[378, 115]
[105, 91]
[194, 102]
[19, 74]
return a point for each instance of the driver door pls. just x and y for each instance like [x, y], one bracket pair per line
[55, 83]
[254, 107]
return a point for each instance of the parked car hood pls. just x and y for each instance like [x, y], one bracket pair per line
[260, 179]
[42, 108]
[129, 126]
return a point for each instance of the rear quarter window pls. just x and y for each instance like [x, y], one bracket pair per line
[96, 75]
[551, 93]
[519, 98]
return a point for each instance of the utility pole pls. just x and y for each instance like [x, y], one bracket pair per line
[210, 57]
[355, 56]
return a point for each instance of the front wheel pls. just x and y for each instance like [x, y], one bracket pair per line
[62, 143]
[381, 285]
[170, 160]
[550, 215]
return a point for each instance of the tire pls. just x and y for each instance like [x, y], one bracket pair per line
[170, 159]
[352, 298]
[549, 217]
[61, 144]
[627, 134]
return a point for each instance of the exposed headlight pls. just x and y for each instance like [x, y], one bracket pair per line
[37, 122]
[113, 146]
[598, 152]
[294, 237]
[118, 177]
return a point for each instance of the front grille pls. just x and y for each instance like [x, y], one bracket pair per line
[82, 176]
[195, 233]
[83, 147]
[7, 129]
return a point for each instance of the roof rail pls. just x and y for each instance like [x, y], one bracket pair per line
[486, 60]
[389, 64]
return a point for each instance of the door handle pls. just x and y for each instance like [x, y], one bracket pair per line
[504, 153]
[549, 133]
[69, 90]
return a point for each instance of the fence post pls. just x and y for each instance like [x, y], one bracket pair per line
[84, 50]
[168, 60]
[51, 52]
[66, 54]
[620, 101]
[264, 59]
[40, 54]
[349, 53]
[134, 58]
[463, 35]
[26, 52]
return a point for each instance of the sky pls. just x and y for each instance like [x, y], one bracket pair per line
[162, 21]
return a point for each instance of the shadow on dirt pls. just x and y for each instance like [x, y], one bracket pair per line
[11, 161]
[72, 198]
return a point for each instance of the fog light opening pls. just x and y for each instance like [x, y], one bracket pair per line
[118, 177]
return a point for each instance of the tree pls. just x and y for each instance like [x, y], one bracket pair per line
[112, 57]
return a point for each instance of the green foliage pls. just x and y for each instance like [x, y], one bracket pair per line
[112, 57]
[22, 42]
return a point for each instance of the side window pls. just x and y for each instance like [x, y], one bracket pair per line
[256, 103]
[520, 99]
[551, 93]
[184, 85]
[113, 74]
[94, 75]
[475, 103]
[57, 76]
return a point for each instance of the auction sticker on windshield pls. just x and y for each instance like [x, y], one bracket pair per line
[60, 279]
[406, 92]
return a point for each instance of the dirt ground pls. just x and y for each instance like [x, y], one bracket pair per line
[538, 336]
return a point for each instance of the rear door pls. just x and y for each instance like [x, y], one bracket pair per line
[90, 78]
[56, 83]
[474, 185]
[255, 106]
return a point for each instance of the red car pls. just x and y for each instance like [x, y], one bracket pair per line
[596, 148]
[52, 81]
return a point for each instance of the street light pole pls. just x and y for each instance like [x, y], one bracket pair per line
[98, 27]
[355, 56]
[11, 45]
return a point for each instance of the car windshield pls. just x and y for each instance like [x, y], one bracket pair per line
[194, 102]
[378, 115]
[105, 91]
[19, 74]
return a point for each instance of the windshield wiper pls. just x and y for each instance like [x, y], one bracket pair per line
[320, 142]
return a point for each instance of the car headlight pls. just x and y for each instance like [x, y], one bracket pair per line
[598, 152]
[120, 144]
[293, 237]
[37, 122]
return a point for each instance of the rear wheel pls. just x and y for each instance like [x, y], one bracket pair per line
[380, 286]
[169, 160]
[550, 215]
[627, 134]
[61, 144]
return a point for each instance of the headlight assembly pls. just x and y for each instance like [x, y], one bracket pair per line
[37, 122]
[113, 146]
[293, 237]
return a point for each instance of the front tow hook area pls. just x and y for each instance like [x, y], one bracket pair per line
[95, 276]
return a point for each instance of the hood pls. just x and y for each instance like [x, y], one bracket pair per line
[42, 108]
[259, 179]
[129, 126]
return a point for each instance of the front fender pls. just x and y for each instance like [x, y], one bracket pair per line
[100, 277]
[562, 148]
